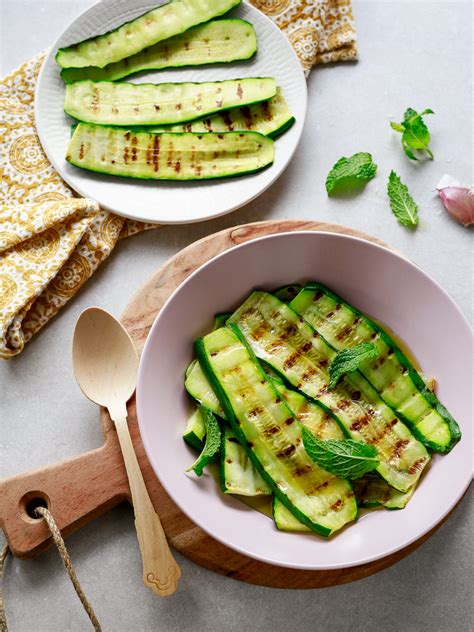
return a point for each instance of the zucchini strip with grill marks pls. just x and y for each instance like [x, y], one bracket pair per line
[218, 41]
[154, 26]
[298, 352]
[236, 471]
[125, 104]
[370, 491]
[270, 434]
[119, 152]
[271, 118]
[392, 374]
[312, 416]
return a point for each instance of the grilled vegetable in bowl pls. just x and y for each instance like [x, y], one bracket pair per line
[268, 430]
[267, 419]
[392, 374]
[439, 338]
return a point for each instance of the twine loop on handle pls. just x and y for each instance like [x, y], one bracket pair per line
[42, 512]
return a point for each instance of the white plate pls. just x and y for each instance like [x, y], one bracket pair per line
[170, 202]
[377, 281]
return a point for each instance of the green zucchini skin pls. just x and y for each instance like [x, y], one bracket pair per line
[295, 349]
[217, 41]
[271, 118]
[119, 152]
[161, 23]
[419, 409]
[220, 319]
[287, 293]
[260, 421]
[130, 104]
[195, 430]
[284, 520]
[236, 471]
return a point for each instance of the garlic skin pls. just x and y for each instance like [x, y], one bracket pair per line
[457, 199]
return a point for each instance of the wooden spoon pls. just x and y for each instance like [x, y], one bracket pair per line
[105, 365]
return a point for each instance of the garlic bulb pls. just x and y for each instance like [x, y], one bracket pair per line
[458, 199]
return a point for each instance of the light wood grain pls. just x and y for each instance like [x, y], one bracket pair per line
[82, 488]
[105, 365]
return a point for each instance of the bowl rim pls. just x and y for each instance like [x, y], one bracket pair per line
[364, 559]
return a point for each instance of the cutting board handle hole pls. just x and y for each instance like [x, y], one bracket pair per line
[29, 502]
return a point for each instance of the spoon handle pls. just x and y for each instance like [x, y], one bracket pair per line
[160, 570]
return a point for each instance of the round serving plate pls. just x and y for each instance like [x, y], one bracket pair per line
[379, 282]
[161, 201]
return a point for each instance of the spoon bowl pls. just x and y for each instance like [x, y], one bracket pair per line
[104, 359]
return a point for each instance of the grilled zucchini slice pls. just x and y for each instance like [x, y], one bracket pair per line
[271, 118]
[292, 347]
[372, 491]
[237, 473]
[270, 434]
[126, 104]
[218, 41]
[392, 374]
[195, 430]
[198, 386]
[146, 30]
[166, 156]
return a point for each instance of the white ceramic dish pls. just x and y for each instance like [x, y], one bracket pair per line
[379, 282]
[170, 202]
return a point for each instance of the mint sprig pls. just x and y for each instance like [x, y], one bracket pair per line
[212, 445]
[402, 204]
[349, 360]
[415, 134]
[350, 174]
[345, 458]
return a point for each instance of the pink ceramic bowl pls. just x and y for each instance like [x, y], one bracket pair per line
[377, 281]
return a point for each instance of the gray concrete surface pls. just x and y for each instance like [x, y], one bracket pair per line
[411, 54]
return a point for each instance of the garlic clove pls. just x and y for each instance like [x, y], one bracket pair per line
[457, 199]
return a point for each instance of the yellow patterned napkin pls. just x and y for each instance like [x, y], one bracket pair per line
[51, 242]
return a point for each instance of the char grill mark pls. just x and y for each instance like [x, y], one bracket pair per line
[286, 451]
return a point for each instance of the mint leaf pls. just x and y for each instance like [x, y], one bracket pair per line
[349, 174]
[415, 134]
[349, 360]
[345, 458]
[398, 127]
[402, 204]
[212, 445]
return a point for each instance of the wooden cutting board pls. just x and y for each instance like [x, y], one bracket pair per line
[78, 490]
